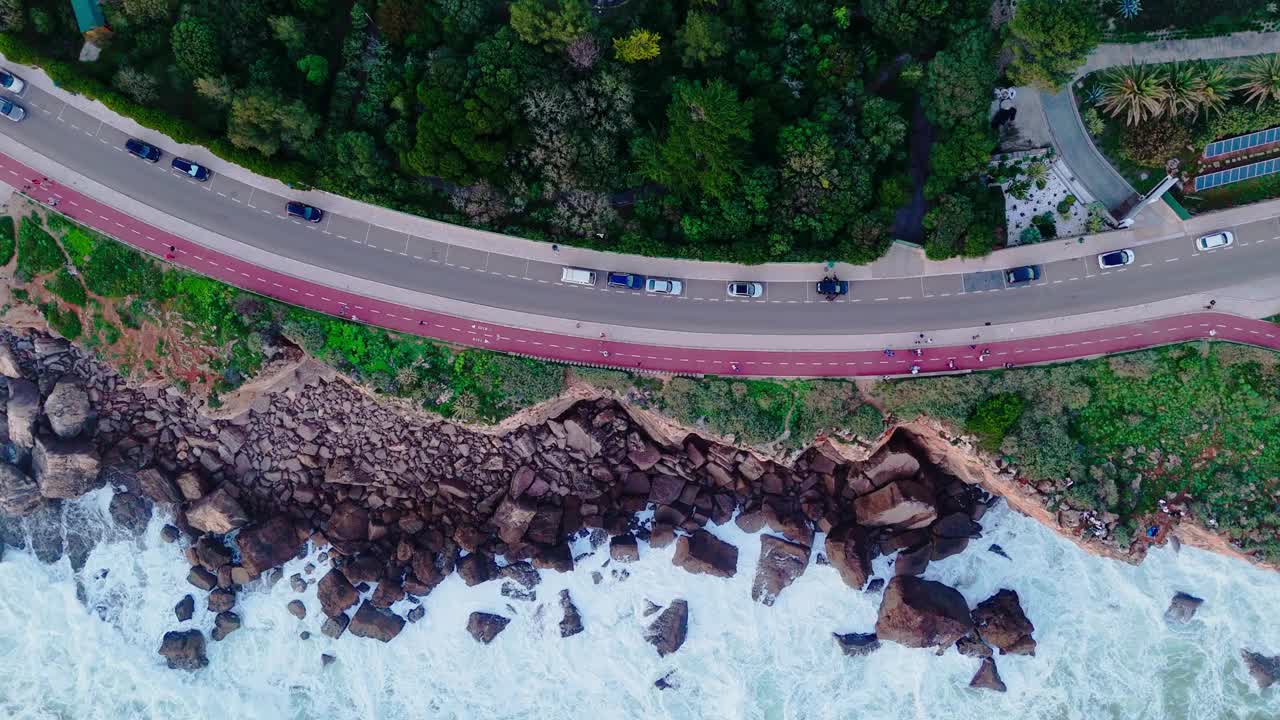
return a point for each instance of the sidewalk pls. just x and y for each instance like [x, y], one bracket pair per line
[899, 262]
[1162, 51]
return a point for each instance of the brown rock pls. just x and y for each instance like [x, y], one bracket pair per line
[857, 644]
[202, 578]
[922, 613]
[388, 593]
[571, 621]
[224, 623]
[645, 458]
[221, 600]
[913, 560]
[265, 546]
[661, 535]
[348, 522]
[185, 608]
[335, 593]
[23, 410]
[19, 494]
[192, 485]
[184, 650]
[623, 548]
[1264, 669]
[887, 466]
[781, 562]
[9, 363]
[521, 481]
[972, 646]
[902, 504]
[987, 677]
[1182, 608]
[158, 487]
[297, 609]
[371, 622]
[484, 627]
[217, 512]
[476, 568]
[665, 489]
[545, 526]
[335, 626]
[67, 408]
[849, 552]
[557, 557]
[512, 518]
[64, 469]
[1002, 624]
[668, 631]
[704, 554]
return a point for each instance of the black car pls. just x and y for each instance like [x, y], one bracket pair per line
[1020, 275]
[146, 151]
[832, 286]
[191, 170]
[630, 281]
[304, 211]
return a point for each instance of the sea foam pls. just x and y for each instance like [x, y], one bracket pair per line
[1103, 648]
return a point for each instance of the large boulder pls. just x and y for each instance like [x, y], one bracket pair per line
[217, 513]
[129, 511]
[158, 487]
[987, 678]
[705, 554]
[902, 504]
[781, 562]
[184, 650]
[336, 593]
[347, 526]
[579, 439]
[889, 465]
[922, 613]
[571, 621]
[372, 622]
[9, 362]
[849, 552]
[19, 494]
[23, 411]
[1182, 608]
[265, 546]
[1264, 669]
[512, 518]
[1000, 622]
[224, 623]
[64, 469]
[67, 408]
[484, 627]
[668, 631]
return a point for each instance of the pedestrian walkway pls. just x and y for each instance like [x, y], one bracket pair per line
[1162, 51]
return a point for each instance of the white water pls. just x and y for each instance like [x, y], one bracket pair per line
[1104, 650]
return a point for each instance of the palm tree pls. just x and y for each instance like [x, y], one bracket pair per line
[1135, 91]
[1217, 86]
[1261, 79]
[1184, 89]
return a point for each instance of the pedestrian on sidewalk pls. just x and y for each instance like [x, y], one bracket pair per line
[888, 353]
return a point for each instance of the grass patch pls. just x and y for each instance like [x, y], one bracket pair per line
[994, 417]
[65, 322]
[7, 244]
[38, 252]
[753, 411]
[68, 287]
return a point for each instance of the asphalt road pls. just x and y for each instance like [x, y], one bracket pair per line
[353, 246]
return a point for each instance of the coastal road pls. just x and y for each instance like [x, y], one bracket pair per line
[605, 352]
[431, 265]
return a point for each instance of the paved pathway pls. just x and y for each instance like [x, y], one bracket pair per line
[1163, 51]
[605, 352]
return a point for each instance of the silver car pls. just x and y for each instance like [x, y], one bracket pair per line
[1216, 240]
[12, 110]
[745, 289]
[663, 286]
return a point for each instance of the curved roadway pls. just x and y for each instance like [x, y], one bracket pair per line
[1163, 270]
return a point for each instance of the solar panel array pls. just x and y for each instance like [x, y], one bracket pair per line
[1244, 142]
[1244, 172]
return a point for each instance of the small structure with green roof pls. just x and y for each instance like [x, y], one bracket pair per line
[88, 14]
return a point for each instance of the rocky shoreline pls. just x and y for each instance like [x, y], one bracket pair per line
[400, 501]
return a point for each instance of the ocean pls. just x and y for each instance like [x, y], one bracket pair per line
[1104, 649]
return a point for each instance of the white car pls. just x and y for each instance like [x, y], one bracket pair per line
[12, 83]
[1216, 240]
[745, 289]
[663, 286]
[1115, 258]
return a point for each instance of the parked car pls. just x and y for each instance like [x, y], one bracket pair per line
[186, 167]
[146, 151]
[12, 110]
[12, 83]
[1217, 240]
[578, 276]
[745, 289]
[664, 286]
[304, 211]
[629, 281]
[1115, 258]
[1024, 274]
[832, 286]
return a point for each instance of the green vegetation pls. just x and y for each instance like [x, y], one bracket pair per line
[1129, 430]
[1135, 21]
[1151, 114]
[748, 130]
[38, 252]
[65, 322]
[1049, 39]
[7, 240]
[67, 286]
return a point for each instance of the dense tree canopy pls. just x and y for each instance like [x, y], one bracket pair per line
[1050, 39]
[752, 130]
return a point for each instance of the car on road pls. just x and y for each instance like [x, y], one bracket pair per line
[1021, 275]
[304, 211]
[146, 151]
[745, 289]
[12, 83]
[12, 110]
[1215, 241]
[664, 286]
[1115, 258]
[831, 286]
[629, 281]
[190, 169]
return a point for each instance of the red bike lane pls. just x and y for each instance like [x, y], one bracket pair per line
[603, 352]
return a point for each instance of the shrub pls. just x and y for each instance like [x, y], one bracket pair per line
[1152, 144]
[1046, 224]
[1093, 122]
[68, 287]
[1064, 207]
[64, 322]
[6, 239]
[1029, 235]
[38, 252]
[1020, 189]
[993, 418]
